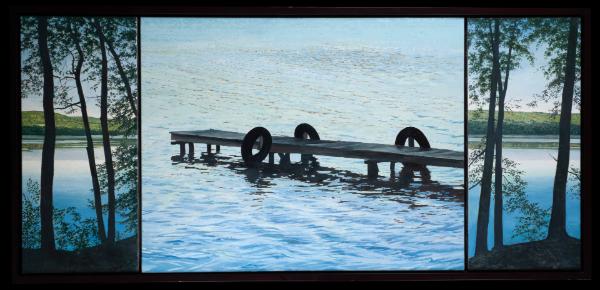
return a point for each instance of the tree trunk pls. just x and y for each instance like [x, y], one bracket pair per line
[498, 232]
[88, 136]
[47, 175]
[498, 195]
[557, 228]
[483, 215]
[110, 173]
[122, 73]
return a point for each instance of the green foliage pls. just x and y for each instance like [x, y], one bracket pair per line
[552, 33]
[72, 232]
[533, 220]
[121, 33]
[514, 41]
[32, 123]
[30, 216]
[126, 183]
[31, 70]
[575, 176]
[523, 123]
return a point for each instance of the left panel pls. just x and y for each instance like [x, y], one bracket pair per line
[79, 144]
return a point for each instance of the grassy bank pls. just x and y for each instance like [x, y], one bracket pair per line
[523, 123]
[32, 123]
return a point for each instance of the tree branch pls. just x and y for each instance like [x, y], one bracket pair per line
[60, 78]
[476, 184]
[69, 106]
[475, 157]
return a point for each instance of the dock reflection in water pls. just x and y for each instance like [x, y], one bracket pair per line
[224, 216]
[410, 181]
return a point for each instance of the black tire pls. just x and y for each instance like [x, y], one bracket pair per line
[306, 129]
[249, 141]
[415, 134]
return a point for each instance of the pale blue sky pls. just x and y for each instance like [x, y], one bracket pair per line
[527, 81]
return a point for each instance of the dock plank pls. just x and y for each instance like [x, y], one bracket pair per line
[345, 149]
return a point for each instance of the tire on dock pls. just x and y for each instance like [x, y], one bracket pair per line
[304, 130]
[416, 134]
[250, 140]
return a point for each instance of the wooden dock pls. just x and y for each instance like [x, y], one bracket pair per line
[372, 153]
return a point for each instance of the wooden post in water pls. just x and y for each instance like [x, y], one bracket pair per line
[181, 149]
[284, 158]
[372, 169]
[392, 170]
[218, 148]
[208, 148]
[271, 158]
[191, 153]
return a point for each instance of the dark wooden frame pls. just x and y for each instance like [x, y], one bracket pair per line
[183, 11]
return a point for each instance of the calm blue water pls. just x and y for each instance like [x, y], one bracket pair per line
[352, 79]
[539, 168]
[72, 179]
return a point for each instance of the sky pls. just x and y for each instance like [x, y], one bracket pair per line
[527, 81]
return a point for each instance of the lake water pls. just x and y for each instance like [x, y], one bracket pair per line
[539, 168]
[72, 179]
[352, 79]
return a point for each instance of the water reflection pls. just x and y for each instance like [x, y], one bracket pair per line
[412, 180]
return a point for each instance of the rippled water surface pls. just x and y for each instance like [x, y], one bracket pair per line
[352, 79]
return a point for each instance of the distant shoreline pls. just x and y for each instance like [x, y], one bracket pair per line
[32, 123]
[523, 123]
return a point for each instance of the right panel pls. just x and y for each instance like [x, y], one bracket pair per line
[524, 153]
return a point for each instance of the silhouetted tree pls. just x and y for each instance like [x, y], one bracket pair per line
[110, 174]
[561, 36]
[73, 26]
[47, 175]
[484, 42]
[122, 31]
[515, 43]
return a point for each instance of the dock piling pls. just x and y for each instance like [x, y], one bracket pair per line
[271, 158]
[181, 149]
[284, 158]
[372, 169]
[191, 149]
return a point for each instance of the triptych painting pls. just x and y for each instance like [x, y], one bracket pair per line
[237, 144]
